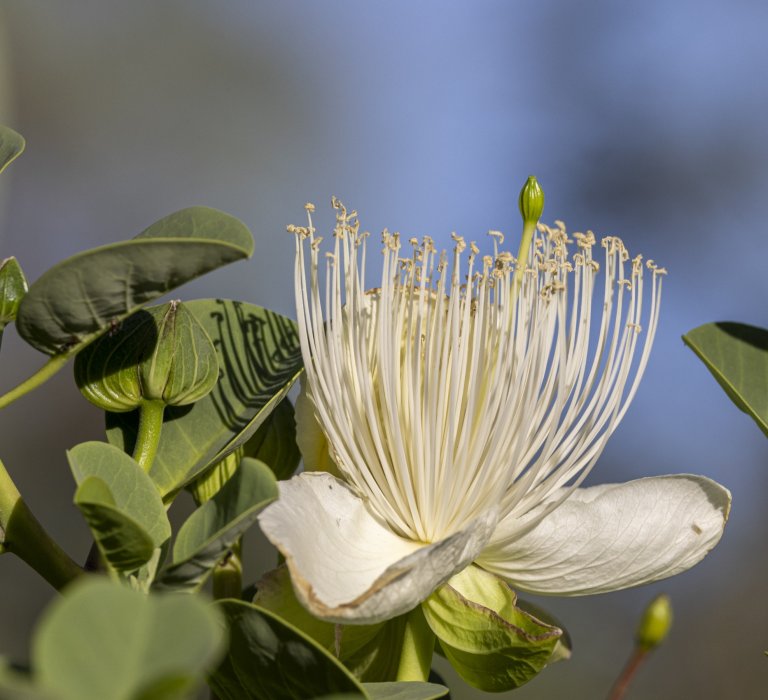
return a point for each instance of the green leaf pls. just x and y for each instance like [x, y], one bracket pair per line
[260, 359]
[209, 533]
[106, 642]
[274, 443]
[405, 691]
[20, 686]
[84, 296]
[11, 146]
[121, 540]
[268, 659]
[120, 503]
[492, 644]
[370, 652]
[737, 356]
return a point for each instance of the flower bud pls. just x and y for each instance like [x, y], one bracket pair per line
[13, 287]
[655, 623]
[182, 367]
[531, 201]
[157, 354]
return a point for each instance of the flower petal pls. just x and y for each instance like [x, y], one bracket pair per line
[346, 566]
[609, 537]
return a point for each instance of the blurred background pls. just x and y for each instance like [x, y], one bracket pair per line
[644, 120]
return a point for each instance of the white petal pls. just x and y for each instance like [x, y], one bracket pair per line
[609, 537]
[348, 567]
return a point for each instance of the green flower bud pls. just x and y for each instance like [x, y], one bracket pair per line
[182, 367]
[157, 354]
[531, 201]
[13, 287]
[655, 623]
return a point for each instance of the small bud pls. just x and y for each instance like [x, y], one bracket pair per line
[13, 287]
[655, 623]
[182, 367]
[531, 201]
[157, 354]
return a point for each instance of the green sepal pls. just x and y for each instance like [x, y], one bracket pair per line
[208, 535]
[370, 652]
[737, 356]
[13, 287]
[120, 503]
[564, 648]
[103, 641]
[260, 358]
[487, 638]
[11, 146]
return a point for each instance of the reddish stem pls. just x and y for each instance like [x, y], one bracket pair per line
[628, 673]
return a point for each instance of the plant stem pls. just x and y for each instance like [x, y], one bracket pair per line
[23, 535]
[522, 254]
[418, 647]
[42, 375]
[228, 576]
[148, 437]
[625, 678]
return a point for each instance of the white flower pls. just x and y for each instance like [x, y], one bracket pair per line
[463, 405]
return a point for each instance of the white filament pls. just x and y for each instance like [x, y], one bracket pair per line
[446, 393]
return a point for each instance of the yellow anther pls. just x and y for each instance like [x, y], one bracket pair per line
[309, 207]
[497, 235]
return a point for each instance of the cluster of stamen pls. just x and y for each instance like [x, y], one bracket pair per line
[452, 389]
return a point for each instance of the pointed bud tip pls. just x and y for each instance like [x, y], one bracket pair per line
[655, 623]
[531, 201]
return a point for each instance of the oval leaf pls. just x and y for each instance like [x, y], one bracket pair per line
[737, 356]
[132, 490]
[209, 533]
[84, 296]
[269, 659]
[492, 644]
[11, 146]
[106, 642]
[260, 359]
[121, 540]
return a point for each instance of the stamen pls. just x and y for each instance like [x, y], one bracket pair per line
[448, 391]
